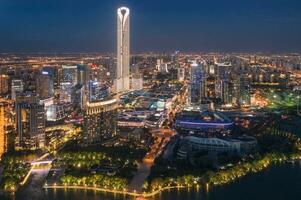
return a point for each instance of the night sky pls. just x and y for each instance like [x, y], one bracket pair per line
[156, 25]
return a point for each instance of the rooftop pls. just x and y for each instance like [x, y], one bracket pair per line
[203, 117]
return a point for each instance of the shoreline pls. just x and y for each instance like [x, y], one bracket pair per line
[124, 192]
[159, 190]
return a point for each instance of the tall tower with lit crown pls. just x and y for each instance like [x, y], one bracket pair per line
[123, 50]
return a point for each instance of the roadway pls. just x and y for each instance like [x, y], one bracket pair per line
[162, 136]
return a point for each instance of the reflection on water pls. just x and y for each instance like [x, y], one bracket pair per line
[277, 183]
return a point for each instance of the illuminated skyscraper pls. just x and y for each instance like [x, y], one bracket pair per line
[222, 82]
[68, 79]
[122, 81]
[45, 85]
[30, 122]
[4, 84]
[197, 85]
[100, 120]
[5, 121]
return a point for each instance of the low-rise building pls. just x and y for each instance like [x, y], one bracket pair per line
[239, 145]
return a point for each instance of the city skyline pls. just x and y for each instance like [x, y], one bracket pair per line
[131, 99]
[123, 50]
[58, 26]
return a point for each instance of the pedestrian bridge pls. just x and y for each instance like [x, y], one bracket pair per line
[40, 162]
[44, 159]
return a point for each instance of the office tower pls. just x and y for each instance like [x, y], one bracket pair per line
[235, 90]
[245, 89]
[68, 80]
[111, 70]
[6, 127]
[241, 90]
[197, 85]
[222, 90]
[30, 122]
[97, 91]
[45, 85]
[51, 74]
[4, 84]
[223, 82]
[16, 87]
[100, 120]
[122, 81]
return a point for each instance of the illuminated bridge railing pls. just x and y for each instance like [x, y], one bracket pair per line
[40, 162]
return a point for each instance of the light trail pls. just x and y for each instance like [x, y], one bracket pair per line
[124, 192]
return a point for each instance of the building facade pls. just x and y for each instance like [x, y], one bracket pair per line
[6, 127]
[17, 87]
[100, 121]
[197, 84]
[30, 122]
[4, 80]
[97, 91]
[45, 85]
[122, 81]
[237, 145]
[223, 82]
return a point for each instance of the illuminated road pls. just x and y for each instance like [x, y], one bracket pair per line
[139, 177]
[162, 136]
